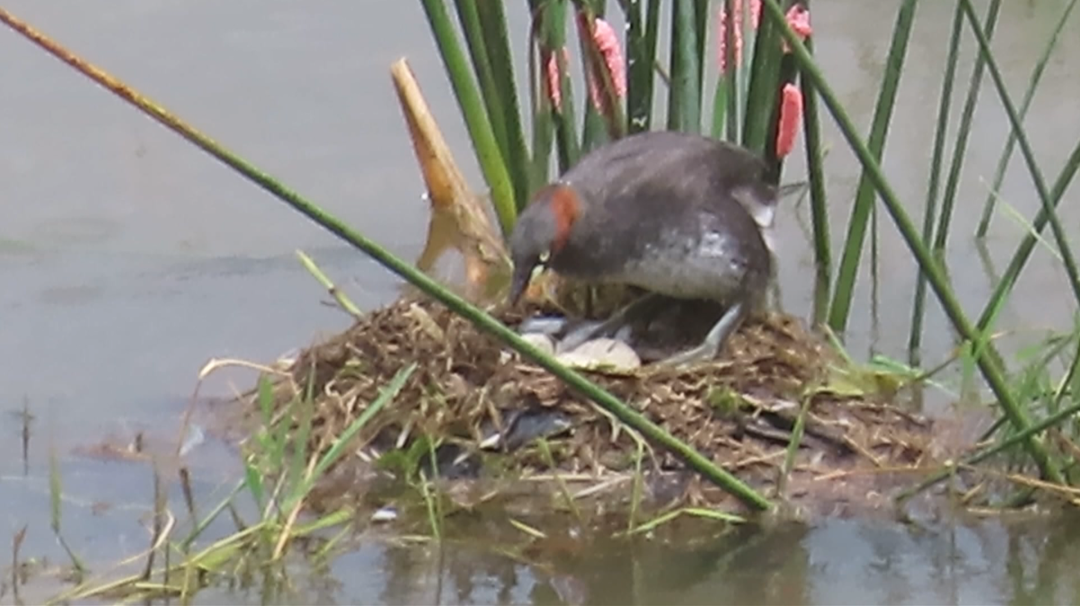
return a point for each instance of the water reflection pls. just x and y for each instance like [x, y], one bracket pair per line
[831, 562]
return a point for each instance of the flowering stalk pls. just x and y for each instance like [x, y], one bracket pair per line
[607, 42]
[605, 70]
[553, 77]
[791, 101]
[798, 19]
[755, 19]
[613, 67]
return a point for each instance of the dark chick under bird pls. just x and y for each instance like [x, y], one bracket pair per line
[675, 214]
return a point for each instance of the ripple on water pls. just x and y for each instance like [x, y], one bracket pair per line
[72, 295]
[75, 230]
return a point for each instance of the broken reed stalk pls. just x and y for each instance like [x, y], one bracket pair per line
[449, 194]
[458, 305]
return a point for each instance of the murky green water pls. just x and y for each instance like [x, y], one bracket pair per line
[128, 258]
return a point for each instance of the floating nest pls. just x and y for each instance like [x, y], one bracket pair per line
[480, 408]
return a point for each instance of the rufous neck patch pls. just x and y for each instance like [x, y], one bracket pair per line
[566, 207]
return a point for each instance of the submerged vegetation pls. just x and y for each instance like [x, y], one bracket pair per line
[462, 413]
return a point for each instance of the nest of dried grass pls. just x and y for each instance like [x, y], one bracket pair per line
[739, 411]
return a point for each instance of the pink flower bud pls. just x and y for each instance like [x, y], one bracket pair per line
[755, 20]
[791, 107]
[798, 19]
[607, 42]
[551, 68]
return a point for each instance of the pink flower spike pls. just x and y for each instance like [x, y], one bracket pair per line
[554, 88]
[791, 107]
[798, 19]
[608, 43]
[755, 12]
[721, 37]
[755, 20]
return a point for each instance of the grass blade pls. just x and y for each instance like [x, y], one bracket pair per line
[386, 396]
[784, 473]
[1027, 245]
[56, 511]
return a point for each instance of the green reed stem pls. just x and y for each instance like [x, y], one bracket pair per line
[1010, 144]
[594, 133]
[865, 197]
[701, 20]
[568, 145]
[762, 87]
[684, 94]
[549, 37]
[963, 132]
[469, 18]
[792, 450]
[492, 163]
[819, 207]
[930, 212]
[1025, 150]
[415, 277]
[497, 44]
[543, 123]
[640, 56]
[719, 113]
[991, 372]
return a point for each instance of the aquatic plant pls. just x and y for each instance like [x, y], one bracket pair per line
[281, 471]
[770, 51]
